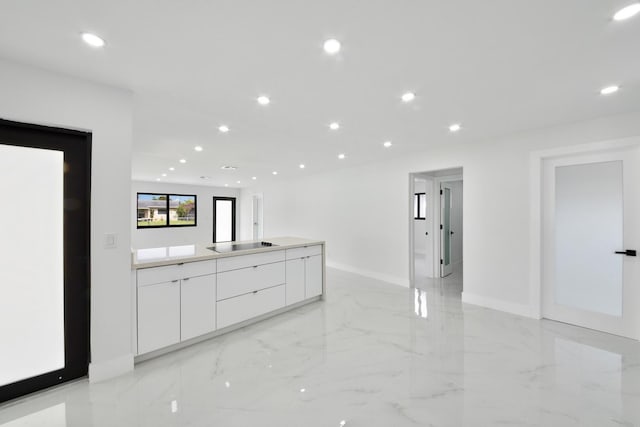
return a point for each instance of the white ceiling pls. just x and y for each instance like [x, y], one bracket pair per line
[496, 66]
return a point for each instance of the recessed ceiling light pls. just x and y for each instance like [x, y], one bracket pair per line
[263, 100]
[332, 46]
[164, 174]
[237, 182]
[275, 172]
[229, 168]
[341, 156]
[183, 161]
[157, 179]
[334, 126]
[408, 96]
[226, 185]
[387, 144]
[93, 40]
[172, 168]
[609, 90]
[197, 148]
[627, 12]
[455, 127]
[302, 390]
[301, 166]
[223, 128]
[254, 178]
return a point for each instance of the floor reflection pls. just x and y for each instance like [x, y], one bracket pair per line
[54, 416]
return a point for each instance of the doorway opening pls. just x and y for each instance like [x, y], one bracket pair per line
[257, 217]
[436, 227]
[224, 219]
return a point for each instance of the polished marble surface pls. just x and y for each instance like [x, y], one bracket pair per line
[372, 354]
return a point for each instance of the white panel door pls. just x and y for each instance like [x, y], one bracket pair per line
[591, 211]
[295, 280]
[446, 268]
[197, 306]
[313, 276]
[158, 316]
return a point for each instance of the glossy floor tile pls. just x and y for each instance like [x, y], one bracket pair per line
[372, 354]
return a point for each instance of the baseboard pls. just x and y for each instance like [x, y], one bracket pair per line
[400, 281]
[500, 305]
[100, 371]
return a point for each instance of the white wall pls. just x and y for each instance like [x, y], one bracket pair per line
[202, 233]
[36, 96]
[456, 221]
[329, 206]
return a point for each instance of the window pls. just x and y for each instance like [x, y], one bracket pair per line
[420, 206]
[224, 219]
[156, 210]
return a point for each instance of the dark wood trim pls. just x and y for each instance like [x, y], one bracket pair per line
[76, 148]
[233, 217]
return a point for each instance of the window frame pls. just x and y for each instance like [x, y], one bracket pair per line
[233, 217]
[416, 203]
[168, 211]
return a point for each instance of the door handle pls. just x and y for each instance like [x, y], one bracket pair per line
[627, 252]
[451, 233]
[426, 234]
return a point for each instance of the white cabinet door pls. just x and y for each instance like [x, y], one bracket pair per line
[158, 316]
[313, 276]
[197, 306]
[295, 280]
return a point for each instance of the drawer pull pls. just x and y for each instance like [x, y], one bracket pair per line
[255, 266]
[174, 281]
[185, 279]
[181, 263]
[255, 292]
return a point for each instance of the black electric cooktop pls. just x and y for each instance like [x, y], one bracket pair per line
[232, 247]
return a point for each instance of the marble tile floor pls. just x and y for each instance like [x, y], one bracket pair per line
[372, 354]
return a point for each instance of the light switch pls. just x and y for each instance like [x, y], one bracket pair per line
[110, 241]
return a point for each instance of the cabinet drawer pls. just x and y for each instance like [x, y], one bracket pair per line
[153, 275]
[198, 268]
[304, 251]
[242, 261]
[245, 280]
[243, 307]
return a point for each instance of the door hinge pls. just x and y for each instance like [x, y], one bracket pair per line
[440, 226]
[441, 192]
[441, 262]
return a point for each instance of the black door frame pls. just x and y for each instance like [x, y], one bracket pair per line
[233, 216]
[76, 146]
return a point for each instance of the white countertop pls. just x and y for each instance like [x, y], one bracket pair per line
[167, 255]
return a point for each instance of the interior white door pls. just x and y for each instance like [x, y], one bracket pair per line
[591, 211]
[446, 267]
[257, 217]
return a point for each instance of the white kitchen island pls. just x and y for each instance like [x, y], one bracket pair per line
[186, 294]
